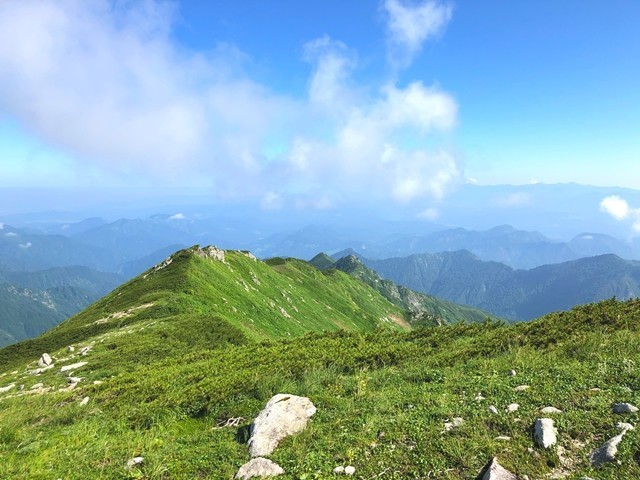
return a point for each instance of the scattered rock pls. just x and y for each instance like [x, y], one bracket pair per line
[71, 349]
[283, 415]
[45, 360]
[212, 252]
[479, 397]
[134, 462]
[503, 438]
[455, 423]
[259, 467]
[349, 470]
[624, 408]
[73, 366]
[522, 388]
[544, 432]
[74, 379]
[36, 386]
[512, 407]
[85, 350]
[493, 409]
[339, 469]
[84, 401]
[512, 373]
[7, 388]
[607, 452]
[549, 410]
[494, 471]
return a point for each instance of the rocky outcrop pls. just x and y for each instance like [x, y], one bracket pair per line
[45, 360]
[283, 415]
[259, 467]
[211, 252]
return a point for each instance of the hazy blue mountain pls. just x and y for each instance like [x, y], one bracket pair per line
[133, 268]
[32, 302]
[463, 278]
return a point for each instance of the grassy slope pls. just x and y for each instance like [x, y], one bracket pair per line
[382, 399]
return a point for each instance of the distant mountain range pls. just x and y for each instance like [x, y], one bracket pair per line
[463, 278]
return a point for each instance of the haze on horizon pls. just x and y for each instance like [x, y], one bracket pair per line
[318, 104]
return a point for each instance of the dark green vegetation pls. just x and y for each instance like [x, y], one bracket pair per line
[463, 278]
[33, 302]
[382, 396]
[424, 310]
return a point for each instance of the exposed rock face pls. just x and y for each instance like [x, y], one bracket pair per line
[259, 467]
[624, 408]
[212, 252]
[494, 471]
[45, 360]
[283, 415]
[544, 432]
[607, 452]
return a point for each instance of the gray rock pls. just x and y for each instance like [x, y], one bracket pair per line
[7, 388]
[494, 471]
[134, 462]
[349, 470]
[45, 360]
[73, 366]
[624, 408]
[454, 423]
[283, 415]
[259, 467]
[522, 388]
[607, 452]
[339, 469]
[544, 432]
[493, 409]
[74, 379]
[548, 410]
[84, 401]
[512, 407]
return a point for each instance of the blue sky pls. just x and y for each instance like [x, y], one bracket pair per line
[319, 102]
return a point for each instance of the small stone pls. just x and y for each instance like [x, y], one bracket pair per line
[134, 462]
[494, 471]
[512, 373]
[512, 407]
[479, 397]
[71, 349]
[455, 423]
[338, 469]
[607, 452]
[544, 432]
[349, 470]
[522, 388]
[45, 360]
[624, 408]
[36, 386]
[493, 409]
[259, 467]
[7, 388]
[503, 438]
[73, 366]
[624, 426]
[85, 350]
[84, 401]
[548, 410]
[74, 379]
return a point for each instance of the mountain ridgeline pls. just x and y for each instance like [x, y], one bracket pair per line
[423, 310]
[463, 278]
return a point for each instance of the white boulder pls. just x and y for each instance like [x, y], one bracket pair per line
[258, 467]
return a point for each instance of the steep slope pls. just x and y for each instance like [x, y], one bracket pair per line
[222, 291]
[385, 400]
[33, 302]
[423, 309]
[463, 278]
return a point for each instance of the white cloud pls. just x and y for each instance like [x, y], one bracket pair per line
[11, 234]
[177, 216]
[410, 25]
[620, 210]
[615, 206]
[430, 214]
[24, 246]
[105, 82]
[1, 226]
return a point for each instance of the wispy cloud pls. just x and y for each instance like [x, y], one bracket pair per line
[410, 24]
[106, 83]
[620, 210]
[515, 199]
[24, 246]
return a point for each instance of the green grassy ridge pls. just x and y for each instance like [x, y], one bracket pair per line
[258, 301]
[382, 397]
[425, 310]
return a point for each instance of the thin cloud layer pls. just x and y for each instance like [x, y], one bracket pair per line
[106, 83]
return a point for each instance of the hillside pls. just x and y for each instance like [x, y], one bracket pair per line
[33, 302]
[223, 291]
[463, 278]
[386, 400]
[423, 309]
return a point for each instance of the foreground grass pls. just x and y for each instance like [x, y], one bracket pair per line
[382, 400]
